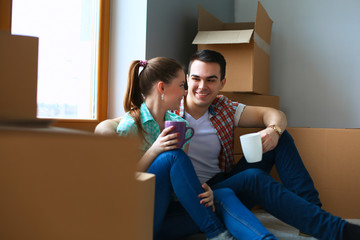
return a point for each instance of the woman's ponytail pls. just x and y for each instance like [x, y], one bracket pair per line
[133, 96]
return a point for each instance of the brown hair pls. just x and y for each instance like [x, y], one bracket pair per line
[209, 56]
[140, 85]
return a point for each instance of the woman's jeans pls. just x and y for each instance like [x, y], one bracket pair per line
[175, 173]
[295, 201]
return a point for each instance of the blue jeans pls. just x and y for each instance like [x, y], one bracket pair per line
[295, 201]
[175, 173]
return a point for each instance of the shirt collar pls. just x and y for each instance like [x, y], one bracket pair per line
[182, 109]
[212, 111]
[145, 114]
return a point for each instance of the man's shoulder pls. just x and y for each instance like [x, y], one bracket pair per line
[221, 101]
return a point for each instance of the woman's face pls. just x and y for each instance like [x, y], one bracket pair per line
[175, 91]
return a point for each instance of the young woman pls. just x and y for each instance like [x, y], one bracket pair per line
[159, 87]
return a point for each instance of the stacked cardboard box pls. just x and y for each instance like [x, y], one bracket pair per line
[54, 186]
[18, 78]
[246, 48]
[18, 81]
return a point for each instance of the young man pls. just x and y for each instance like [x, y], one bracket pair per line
[214, 119]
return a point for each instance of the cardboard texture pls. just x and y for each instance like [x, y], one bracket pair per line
[245, 46]
[253, 99]
[5, 15]
[332, 158]
[71, 186]
[18, 77]
[146, 182]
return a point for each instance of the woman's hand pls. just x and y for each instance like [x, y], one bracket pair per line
[207, 197]
[166, 141]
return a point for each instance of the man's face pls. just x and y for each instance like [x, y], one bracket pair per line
[204, 83]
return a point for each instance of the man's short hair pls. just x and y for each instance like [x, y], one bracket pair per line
[209, 56]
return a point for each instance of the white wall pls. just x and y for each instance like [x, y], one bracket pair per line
[315, 52]
[143, 29]
[315, 59]
[172, 25]
[127, 43]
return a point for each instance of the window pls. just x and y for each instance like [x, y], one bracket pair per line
[73, 55]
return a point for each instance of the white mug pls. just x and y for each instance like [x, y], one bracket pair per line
[252, 147]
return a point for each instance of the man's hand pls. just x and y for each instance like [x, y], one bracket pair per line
[269, 139]
[207, 197]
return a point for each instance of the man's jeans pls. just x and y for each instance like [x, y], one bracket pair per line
[175, 173]
[295, 201]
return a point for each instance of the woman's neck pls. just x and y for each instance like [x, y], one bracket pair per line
[157, 111]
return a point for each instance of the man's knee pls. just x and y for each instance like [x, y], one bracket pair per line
[253, 172]
[286, 136]
[223, 192]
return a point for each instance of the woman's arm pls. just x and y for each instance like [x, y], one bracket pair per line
[164, 142]
[107, 127]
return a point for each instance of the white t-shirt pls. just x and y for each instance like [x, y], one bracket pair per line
[205, 146]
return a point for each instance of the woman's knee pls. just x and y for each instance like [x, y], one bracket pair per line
[175, 153]
[166, 160]
[170, 155]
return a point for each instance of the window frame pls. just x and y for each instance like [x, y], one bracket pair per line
[103, 64]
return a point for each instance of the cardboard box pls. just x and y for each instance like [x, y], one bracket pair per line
[253, 99]
[5, 15]
[331, 156]
[18, 77]
[146, 182]
[72, 186]
[245, 46]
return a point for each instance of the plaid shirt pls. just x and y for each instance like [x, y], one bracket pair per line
[222, 111]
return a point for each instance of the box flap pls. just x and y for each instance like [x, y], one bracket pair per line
[263, 23]
[223, 37]
[239, 26]
[207, 21]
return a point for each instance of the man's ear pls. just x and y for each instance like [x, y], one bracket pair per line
[223, 83]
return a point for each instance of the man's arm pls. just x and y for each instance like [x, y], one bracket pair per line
[253, 116]
[107, 127]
